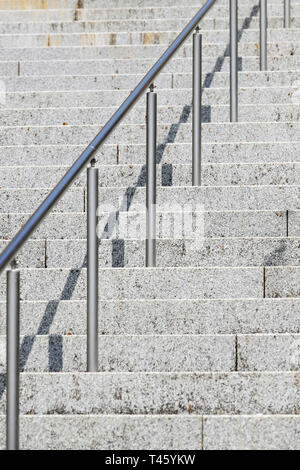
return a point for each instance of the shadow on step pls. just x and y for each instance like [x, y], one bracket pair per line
[118, 255]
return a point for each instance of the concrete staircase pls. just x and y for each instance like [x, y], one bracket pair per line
[202, 352]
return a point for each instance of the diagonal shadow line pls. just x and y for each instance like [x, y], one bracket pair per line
[74, 274]
[220, 61]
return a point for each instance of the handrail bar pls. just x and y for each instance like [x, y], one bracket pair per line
[13, 247]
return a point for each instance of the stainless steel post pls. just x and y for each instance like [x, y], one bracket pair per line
[92, 269]
[287, 13]
[151, 178]
[13, 359]
[263, 35]
[233, 61]
[197, 104]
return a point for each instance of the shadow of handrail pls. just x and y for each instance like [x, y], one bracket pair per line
[55, 349]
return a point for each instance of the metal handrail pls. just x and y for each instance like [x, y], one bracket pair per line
[16, 243]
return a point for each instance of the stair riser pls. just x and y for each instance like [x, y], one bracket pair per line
[161, 317]
[124, 38]
[216, 224]
[27, 200]
[207, 198]
[273, 353]
[218, 96]
[240, 393]
[131, 66]
[90, 116]
[107, 432]
[157, 432]
[127, 354]
[223, 253]
[65, 4]
[136, 25]
[143, 51]
[222, 353]
[178, 153]
[274, 198]
[219, 11]
[211, 133]
[252, 433]
[163, 81]
[167, 175]
[118, 284]
[178, 253]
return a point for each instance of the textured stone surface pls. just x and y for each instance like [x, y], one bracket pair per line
[156, 317]
[268, 352]
[31, 256]
[89, 8]
[116, 82]
[36, 155]
[171, 175]
[294, 223]
[166, 114]
[282, 282]
[159, 393]
[137, 283]
[108, 432]
[41, 135]
[216, 224]
[232, 198]
[240, 152]
[246, 79]
[179, 11]
[171, 153]
[213, 252]
[128, 353]
[27, 200]
[169, 97]
[138, 51]
[172, 199]
[65, 4]
[149, 24]
[157, 432]
[136, 65]
[60, 38]
[288, 48]
[251, 433]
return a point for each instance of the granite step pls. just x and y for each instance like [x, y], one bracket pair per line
[218, 224]
[211, 66]
[166, 97]
[161, 317]
[227, 174]
[152, 51]
[182, 394]
[127, 134]
[116, 37]
[165, 114]
[170, 153]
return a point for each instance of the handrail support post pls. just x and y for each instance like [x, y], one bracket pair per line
[197, 105]
[13, 357]
[92, 268]
[151, 137]
[233, 61]
[287, 13]
[263, 35]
